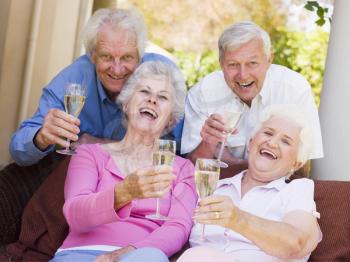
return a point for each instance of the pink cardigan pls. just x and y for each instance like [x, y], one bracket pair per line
[89, 200]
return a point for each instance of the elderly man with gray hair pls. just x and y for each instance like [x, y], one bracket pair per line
[247, 83]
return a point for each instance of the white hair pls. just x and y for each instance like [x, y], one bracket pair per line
[169, 73]
[129, 20]
[296, 115]
[241, 33]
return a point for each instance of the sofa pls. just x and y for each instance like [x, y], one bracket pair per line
[43, 227]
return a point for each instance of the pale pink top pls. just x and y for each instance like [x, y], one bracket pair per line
[89, 206]
[271, 201]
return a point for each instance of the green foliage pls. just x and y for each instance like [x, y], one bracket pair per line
[304, 52]
[196, 66]
[322, 12]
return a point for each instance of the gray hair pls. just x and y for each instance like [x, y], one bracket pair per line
[129, 20]
[293, 113]
[241, 33]
[155, 69]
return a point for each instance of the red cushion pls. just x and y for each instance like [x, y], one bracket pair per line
[333, 202]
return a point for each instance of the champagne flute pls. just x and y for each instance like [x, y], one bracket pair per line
[74, 99]
[163, 154]
[230, 118]
[207, 172]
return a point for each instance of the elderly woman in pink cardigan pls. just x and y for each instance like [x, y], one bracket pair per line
[110, 188]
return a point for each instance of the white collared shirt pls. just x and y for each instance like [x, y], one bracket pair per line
[213, 95]
[271, 201]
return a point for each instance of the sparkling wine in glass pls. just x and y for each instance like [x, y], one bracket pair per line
[207, 172]
[230, 118]
[74, 99]
[163, 154]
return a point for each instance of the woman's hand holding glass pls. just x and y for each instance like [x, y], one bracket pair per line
[164, 152]
[147, 182]
[217, 210]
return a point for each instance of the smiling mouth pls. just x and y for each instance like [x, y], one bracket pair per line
[149, 113]
[268, 154]
[114, 77]
[245, 85]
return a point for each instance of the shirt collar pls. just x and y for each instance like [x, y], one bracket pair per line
[101, 91]
[264, 90]
[236, 181]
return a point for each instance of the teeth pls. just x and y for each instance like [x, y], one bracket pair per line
[245, 85]
[264, 151]
[150, 111]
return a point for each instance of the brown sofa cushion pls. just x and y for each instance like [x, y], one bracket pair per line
[43, 227]
[333, 202]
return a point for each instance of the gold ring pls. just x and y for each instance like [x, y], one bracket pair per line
[217, 215]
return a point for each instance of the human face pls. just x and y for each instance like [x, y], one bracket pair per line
[245, 69]
[149, 109]
[115, 58]
[273, 150]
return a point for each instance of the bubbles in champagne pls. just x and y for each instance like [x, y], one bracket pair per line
[206, 182]
[163, 158]
[74, 104]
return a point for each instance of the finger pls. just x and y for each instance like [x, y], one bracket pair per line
[213, 199]
[62, 123]
[57, 113]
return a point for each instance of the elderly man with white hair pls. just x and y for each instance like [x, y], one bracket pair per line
[247, 83]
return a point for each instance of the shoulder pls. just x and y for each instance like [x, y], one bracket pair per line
[301, 185]
[157, 57]
[211, 85]
[286, 75]
[95, 151]
[77, 72]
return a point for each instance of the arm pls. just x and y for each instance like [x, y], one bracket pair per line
[89, 204]
[295, 236]
[34, 139]
[173, 234]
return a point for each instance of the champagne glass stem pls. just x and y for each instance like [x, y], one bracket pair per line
[222, 147]
[157, 208]
[68, 147]
[203, 234]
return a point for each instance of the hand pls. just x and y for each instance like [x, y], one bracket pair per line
[213, 129]
[217, 210]
[115, 255]
[150, 182]
[57, 127]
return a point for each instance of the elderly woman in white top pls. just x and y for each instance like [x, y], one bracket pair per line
[259, 214]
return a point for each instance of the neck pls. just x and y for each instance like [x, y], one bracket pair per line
[138, 141]
[248, 182]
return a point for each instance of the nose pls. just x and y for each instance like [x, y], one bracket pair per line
[273, 142]
[243, 72]
[152, 99]
[117, 67]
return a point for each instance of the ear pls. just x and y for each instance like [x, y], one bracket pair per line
[270, 59]
[93, 57]
[171, 121]
[297, 166]
[125, 108]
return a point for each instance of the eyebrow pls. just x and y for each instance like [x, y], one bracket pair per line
[284, 135]
[161, 91]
